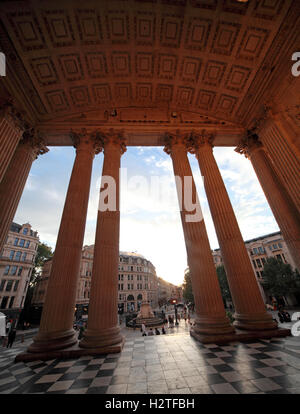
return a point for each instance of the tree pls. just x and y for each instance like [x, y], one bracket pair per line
[44, 252]
[226, 295]
[187, 289]
[279, 279]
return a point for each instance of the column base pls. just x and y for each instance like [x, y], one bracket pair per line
[52, 341]
[239, 336]
[69, 353]
[212, 326]
[255, 322]
[101, 339]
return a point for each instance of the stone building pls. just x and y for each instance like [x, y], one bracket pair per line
[259, 249]
[137, 282]
[16, 264]
[167, 291]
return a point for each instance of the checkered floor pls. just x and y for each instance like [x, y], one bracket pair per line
[165, 364]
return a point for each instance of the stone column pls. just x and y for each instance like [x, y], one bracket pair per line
[103, 332]
[12, 127]
[285, 213]
[250, 312]
[13, 182]
[56, 327]
[211, 323]
[284, 158]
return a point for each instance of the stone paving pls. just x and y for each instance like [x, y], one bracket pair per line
[166, 364]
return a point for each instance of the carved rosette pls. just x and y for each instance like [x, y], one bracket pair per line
[34, 141]
[249, 144]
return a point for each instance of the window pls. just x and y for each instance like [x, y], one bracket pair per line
[27, 244]
[11, 301]
[25, 231]
[16, 241]
[9, 285]
[20, 271]
[280, 245]
[255, 250]
[24, 257]
[275, 246]
[263, 260]
[131, 268]
[13, 270]
[258, 262]
[2, 285]
[22, 242]
[4, 302]
[18, 256]
[254, 263]
[16, 285]
[261, 250]
[6, 270]
[128, 285]
[11, 254]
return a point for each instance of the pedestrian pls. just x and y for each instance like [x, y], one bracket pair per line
[189, 318]
[150, 333]
[157, 331]
[163, 331]
[11, 337]
[143, 330]
[81, 331]
[8, 327]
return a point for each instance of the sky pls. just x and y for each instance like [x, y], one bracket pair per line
[150, 219]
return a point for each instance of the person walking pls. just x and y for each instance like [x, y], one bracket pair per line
[157, 331]
[11, 337]
[163, 331]
[143, 329]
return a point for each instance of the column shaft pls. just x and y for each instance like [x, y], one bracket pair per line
[250, 310]
[211, 318]
[56, 327]
[284, 211]
[284, 160]
[12, 186]
[103, 328]
[10, 134]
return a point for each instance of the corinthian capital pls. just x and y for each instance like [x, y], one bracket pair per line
[33, 140]
[173, 139]
[249, 144]
[88, 139]
[113, 137]
[9, 111]
[198, 139]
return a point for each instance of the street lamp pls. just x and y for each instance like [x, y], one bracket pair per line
[174, 302]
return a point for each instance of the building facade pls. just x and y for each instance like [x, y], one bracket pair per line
[167, 291]
[137, 282]
[16, 264]
[259, 250]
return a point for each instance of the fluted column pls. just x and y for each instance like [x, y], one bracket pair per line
[283, 156]
[56, 327]
[13, 182]
[12, 127]
[285, 213]
[103, 331]
[211, 319]
[250, 310]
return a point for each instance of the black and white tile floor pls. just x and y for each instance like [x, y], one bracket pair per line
[165, 364]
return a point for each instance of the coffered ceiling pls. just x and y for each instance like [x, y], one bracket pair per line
[156, 62]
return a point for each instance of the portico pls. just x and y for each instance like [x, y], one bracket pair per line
[185, 76]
